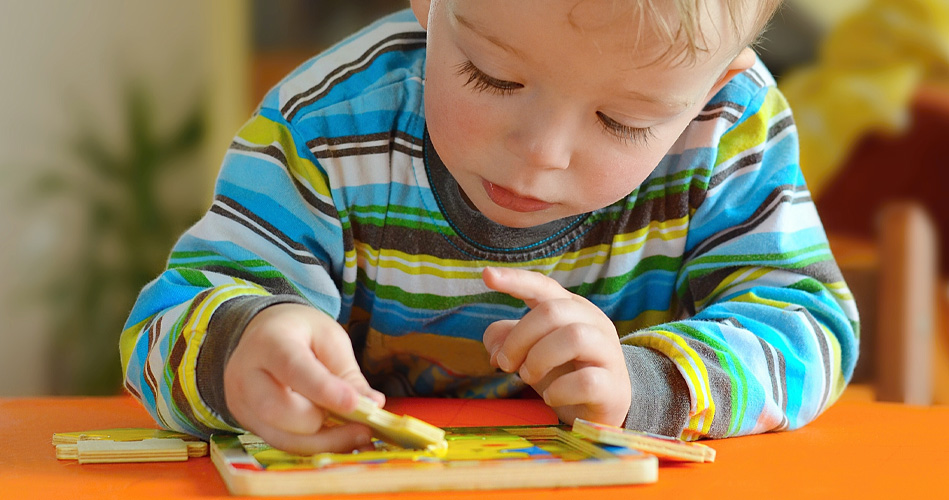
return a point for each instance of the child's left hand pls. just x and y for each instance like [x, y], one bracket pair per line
[566, 348]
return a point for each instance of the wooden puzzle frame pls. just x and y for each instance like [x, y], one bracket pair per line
[477, 458]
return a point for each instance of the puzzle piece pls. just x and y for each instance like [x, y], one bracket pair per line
[660, 446]
[405, 431]
[127, 445]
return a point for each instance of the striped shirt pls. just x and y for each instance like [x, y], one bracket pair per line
[716, 271]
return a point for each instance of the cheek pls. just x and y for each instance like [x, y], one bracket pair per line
[453, 117]
[613, 172]
[610, 184]
[608, 174]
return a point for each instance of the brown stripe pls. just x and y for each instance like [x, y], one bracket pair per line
[175, 358]
[409, 41]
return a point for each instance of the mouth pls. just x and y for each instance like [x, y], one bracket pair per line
[512, 201]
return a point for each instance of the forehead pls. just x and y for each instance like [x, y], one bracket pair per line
[641, 31]
[597, 15]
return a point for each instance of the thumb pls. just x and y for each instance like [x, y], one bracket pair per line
[495, 335]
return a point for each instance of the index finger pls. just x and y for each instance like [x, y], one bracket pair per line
[529, 286]
[333, 348]
[305, 374]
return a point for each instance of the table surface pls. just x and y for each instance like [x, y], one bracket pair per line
[856, 448]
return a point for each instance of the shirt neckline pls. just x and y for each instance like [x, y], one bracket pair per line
[482, 233]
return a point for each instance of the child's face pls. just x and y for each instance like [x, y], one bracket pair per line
[544, 109]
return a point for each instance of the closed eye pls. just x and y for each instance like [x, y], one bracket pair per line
[622, 132]
[482, 82]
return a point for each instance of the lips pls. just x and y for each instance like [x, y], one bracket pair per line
[511, 200]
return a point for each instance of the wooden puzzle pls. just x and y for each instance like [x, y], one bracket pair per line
[475, 458]
[662, 446]
[127, 445]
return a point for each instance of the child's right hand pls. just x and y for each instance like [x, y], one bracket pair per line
[292, 365]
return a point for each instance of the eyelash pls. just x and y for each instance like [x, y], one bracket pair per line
[622, 132]
[482, 82]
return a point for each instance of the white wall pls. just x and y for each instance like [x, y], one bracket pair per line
[61, 60]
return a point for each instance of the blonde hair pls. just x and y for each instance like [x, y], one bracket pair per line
[683, 28]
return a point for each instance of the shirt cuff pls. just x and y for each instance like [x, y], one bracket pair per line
[660, 395]
[224, 332]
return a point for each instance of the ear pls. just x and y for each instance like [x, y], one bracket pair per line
[744, 60]
[421, 9]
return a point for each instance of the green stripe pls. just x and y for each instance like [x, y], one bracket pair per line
[615, 284]
[270, 273]
[194, 277]
[398, 209]
[725, 358]
[762, 258]
[382, 221]
[809, 285]
[433, 302]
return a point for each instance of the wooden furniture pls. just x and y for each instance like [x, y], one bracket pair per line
[906, 305]
[895, 282]
[856, 449]
[885, 211]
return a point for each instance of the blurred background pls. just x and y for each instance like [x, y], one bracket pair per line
[117, 114]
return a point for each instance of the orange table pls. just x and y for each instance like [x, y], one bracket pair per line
[857, 449]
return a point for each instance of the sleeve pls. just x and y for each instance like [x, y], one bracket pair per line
[272, 235]
[769, 332]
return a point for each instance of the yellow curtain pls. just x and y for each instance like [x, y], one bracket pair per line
[869, 68]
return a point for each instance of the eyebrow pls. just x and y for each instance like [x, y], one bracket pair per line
[479, 30]
[675, 102]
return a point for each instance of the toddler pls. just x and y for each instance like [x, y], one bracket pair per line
[596, 200]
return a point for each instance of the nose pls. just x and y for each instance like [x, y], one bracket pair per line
[543, 140]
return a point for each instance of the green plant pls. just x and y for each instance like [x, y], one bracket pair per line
[129, 228]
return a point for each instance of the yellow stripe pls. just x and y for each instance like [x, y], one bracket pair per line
[755, 299]
[127, 342]
[264, 132]
[645, 319]
[593, 255]
[753, 132]
[194, 330]
[839, 383]
[350, 256]
[416, 264]
[840, 290]
[732, 280]
[676, 348]
[655, 229]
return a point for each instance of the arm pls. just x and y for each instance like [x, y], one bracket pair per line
[770, 331]
[244, 256]
[768, 336]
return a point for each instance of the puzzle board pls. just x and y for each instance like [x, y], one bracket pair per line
[477, 458]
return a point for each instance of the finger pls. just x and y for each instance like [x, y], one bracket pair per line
[494, 336]
[333, 347]
[588, 386]
[540, 386]
[374, 395]
[359, 382]
[339, 439]
[265, 403]
[545, 318]
[581, 344]
[300, 370]
[529, 286]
